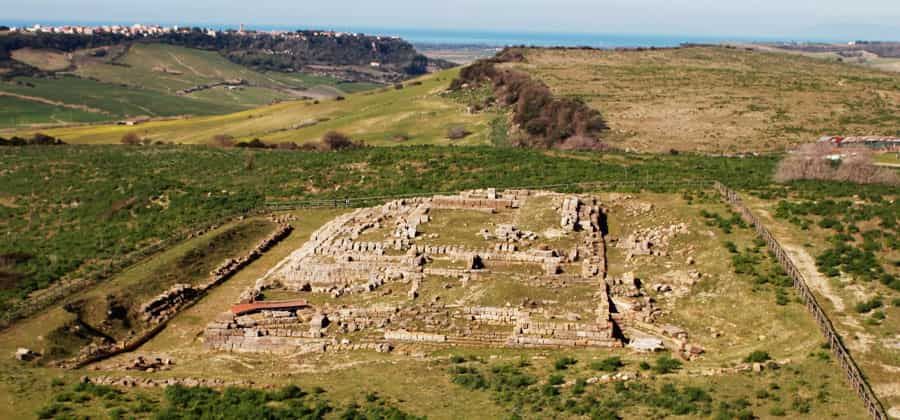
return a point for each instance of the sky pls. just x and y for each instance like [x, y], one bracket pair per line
[856, 19]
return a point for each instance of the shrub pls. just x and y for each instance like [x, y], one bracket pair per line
[469, 378]
[666, 364]
[334, 140]
[869, 305]
[563, 363]
[610, 364]
[556, 379]
[131, 139]
[457, 359]
[781, 297]
[253, 144]
[757, 356]
[644, 366]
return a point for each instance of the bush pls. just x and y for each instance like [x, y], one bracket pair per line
[131, 139]
[757, 356]
[334, 140]
[563, 363]
[666, 364]
[253, 144]
[610, 364]
[556, 379]
[869, 305]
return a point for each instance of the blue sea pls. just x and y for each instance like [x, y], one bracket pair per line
[489, 38]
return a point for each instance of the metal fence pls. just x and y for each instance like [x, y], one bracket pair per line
[854, 375]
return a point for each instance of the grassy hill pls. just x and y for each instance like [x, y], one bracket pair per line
[417, 114]
[710, 99]
[145, 80]
[721, 99]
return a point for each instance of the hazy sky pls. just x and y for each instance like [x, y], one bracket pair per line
[868, 18]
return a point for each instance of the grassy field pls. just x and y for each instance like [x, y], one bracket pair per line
[16, 112]
[721, 100]
[862, 297]
[144, 81]
[113, 101]
[416, 114]
[428, 382]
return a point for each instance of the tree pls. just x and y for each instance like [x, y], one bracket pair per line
[131, 139]
[334, 140]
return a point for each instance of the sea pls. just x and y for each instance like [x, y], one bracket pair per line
[487, 38]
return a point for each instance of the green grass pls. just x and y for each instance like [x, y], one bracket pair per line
[417, 114]
[114, 101]
[15, 112]
[144, 82]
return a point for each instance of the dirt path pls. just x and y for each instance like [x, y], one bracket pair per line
[814, 278]
[193, 70]
[847, 325]
[54, 103]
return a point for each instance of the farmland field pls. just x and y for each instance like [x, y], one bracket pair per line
[417, 114]
[113, 101]
[16, 112]
[145, 79]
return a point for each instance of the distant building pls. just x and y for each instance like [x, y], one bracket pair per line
[877, 143]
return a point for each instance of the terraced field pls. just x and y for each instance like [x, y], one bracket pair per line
[417, 114]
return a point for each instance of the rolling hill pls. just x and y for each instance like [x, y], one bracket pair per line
[152, 80]
[717, 99]
[707, 99]
[419, 113]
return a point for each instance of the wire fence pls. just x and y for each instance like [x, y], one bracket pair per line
[854, 375]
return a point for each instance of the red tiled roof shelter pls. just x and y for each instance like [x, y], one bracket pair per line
[244, 308]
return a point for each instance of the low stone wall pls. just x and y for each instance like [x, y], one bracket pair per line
[417, 337]
[159, 310]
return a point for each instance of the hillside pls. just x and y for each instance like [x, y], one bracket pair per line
[714, 99]
[149, 80]
[106, 203]
[419, 113]
[707, 99]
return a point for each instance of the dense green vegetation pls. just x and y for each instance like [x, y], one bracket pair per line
[526, 396]
[863, 229]
[178, 402]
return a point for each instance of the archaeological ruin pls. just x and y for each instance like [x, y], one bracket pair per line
[515, 268]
